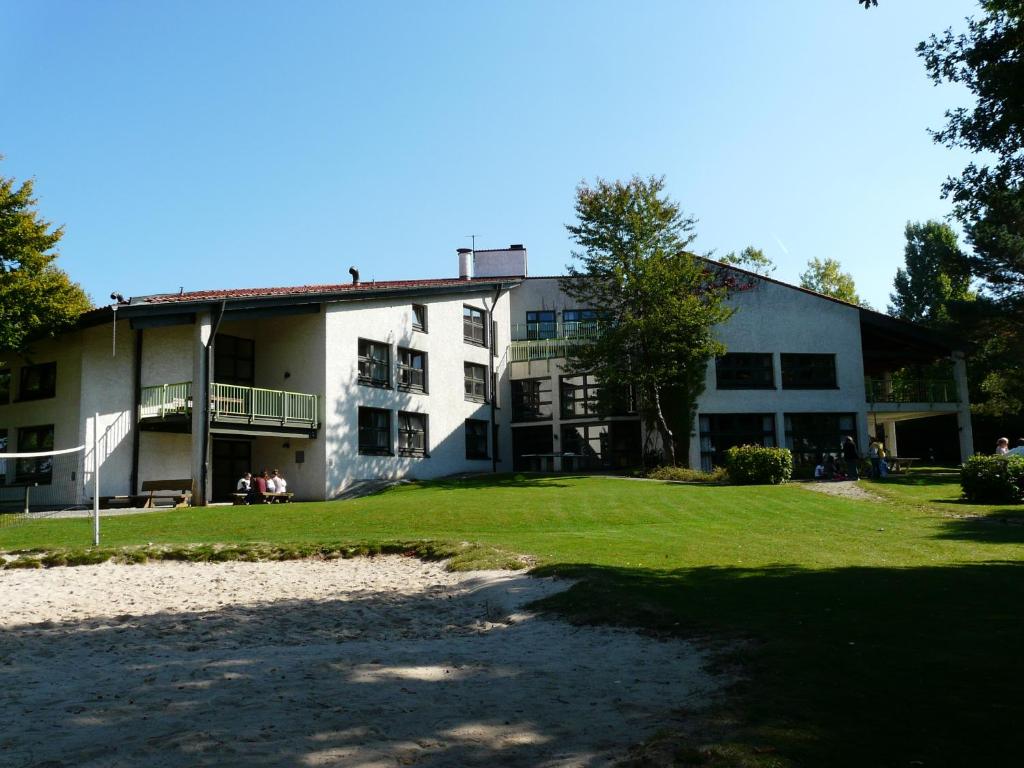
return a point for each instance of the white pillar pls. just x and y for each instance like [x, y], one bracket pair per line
[890, 438]
[963, 413]
[200, 406]
[693, 457]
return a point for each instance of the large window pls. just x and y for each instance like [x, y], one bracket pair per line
[476, 382]
[613, 444]
[811, 435]
[412, 434]
[5, 387]
[808, 371]
[531, 400]
[721, 431]
[744, 370]
[412, 370]
[234, 360]
[374, 363]
[419, 318]
[540, 324]
[34, 440]
[476, 439]
[581, 323]
[474, 326]
[375, 431]
[38, 381]
[579, 396]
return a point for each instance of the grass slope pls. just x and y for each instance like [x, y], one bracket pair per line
[877, 633]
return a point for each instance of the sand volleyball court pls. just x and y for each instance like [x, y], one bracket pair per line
[379, 661]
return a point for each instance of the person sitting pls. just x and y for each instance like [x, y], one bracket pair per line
[271, 483]
[819, 469]
[244, 483]
[279, 482]
[830, 467]
[1002, 446]
[259, 488]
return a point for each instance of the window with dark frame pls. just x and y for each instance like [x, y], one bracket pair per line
[474, 326]
[721, 431]
[38, 382]
[579, 396]
[808, 371]
[374, 363]
[38, 470]
[476, 439]
[5, 386]
[375, 431]
[531, 400]
[234, 360]
[744, 370]
[412, 434]
[540, 324]
[581, 323]
[419, 318]
[476, 382]
[412, 370]
[809, 436]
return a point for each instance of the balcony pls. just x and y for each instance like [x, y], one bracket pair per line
[900, 390]
[230, 405]
[544, 341]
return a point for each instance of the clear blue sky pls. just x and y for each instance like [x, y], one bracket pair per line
[231, 144]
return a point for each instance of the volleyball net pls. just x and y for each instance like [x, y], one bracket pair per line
[41, 485]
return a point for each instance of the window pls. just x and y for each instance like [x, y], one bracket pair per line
[412, 370]
[234, 361]
[419, 318]
[412, 434]
[474, 328]
[541, 324]
[721, 431]
[579, 396]
[476, 439]
[34, 440]
[581, 315]
[38, 381]
[612, 444]
[581, 323]
[531, 400]
[811, 435]
[743, 370]
[476, 382]
[808, 371]
[374, 363]
[375, 431]
[5, 387]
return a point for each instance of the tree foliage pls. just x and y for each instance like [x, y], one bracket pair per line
[660, 302]
[827, 277]
[751, 259]
[937, 275]
[37, 298]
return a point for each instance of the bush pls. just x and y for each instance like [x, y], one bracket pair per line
[686, 475]
[993, 479]
[757, 465]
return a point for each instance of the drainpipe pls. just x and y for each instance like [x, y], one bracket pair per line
[205, 446]
[492, 352]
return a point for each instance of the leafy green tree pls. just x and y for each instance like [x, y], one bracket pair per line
[661, 302]
[37, 299]
[750, 258]
[827, 277]
[937, 275]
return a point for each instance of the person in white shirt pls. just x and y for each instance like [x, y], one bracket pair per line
[244, 483]
[280, 483]
[272, 483]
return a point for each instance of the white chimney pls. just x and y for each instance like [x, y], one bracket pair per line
[465, 263]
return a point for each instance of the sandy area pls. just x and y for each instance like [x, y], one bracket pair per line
[368, 662]
[845, 488]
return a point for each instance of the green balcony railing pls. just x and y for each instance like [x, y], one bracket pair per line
[229, 402]
[900, 390]
[544, 341]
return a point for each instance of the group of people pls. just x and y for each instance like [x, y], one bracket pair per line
[255, 487]
[1003, 447]
[846, 465]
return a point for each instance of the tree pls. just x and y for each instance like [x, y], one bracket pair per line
[750, 258]
[37, 299]
[937, 274]
[827, 277]
[660, 302]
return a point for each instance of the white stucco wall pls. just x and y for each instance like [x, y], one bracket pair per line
[164, 456]
[167, 355]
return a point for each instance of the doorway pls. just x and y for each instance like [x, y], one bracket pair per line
[527, 441]
[231, 460]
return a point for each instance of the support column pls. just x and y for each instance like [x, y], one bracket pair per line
[963, 412]
[693, 458]
[200, 407]
[890, 438]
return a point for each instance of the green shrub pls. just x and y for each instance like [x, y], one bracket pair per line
[993, 479]
[687, 475]
[757, 465]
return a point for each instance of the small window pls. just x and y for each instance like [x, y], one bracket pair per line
[412, 370]
[38, 381]
[474, 328]
[5, 387]
[476, 439]
[476, 382]
[412, 434]
[375, 431]
[374, 363]
[34, 440]
[808, 371]
[741, 370]
[419, 318]
[540, 324]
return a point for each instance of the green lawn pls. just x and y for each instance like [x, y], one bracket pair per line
[873, 634]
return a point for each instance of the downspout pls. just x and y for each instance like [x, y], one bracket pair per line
[205, 447]
[493, 382]
[136, 402]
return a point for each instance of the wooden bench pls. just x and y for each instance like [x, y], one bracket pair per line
[240, 498]
[182, 496]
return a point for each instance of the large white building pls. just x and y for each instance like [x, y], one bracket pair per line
[425, 378]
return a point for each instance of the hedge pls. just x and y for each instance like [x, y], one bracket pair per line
[757, 465]
[993, 479]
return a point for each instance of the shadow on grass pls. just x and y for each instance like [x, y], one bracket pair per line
[845, 667]
[518, 480]
[1003, 527]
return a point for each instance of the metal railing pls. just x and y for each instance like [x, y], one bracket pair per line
[576, 329]
[900, 390]
[525, 351]
[230, 402]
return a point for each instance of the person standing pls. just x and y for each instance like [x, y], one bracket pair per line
[1002, 446]
[851, 457]
[875, 454]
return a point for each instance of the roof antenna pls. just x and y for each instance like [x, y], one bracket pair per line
[473, 238]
